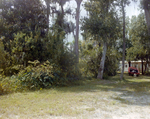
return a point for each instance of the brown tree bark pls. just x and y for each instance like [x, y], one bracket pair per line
[145, 68]
[129, 63]
[146, 4]
[77, 29]
[142, 67]
[123, 56]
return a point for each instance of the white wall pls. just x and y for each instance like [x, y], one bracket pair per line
[126, 66]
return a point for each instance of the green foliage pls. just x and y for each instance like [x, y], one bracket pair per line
[24, 48]
[27, 47]
[37, 57]
[36, 77]
[112, 62]
[22, 16]
[33, 74]
[2, 58]
[46, 75]
[5, 60]
[140, 39]
[90, 57]
[101, 23]
[103, 26]
[147, 73]
[23, 24]
[59, 54]
[138, 33]
[9, 84]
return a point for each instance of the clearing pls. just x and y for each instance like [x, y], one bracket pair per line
[95, 99]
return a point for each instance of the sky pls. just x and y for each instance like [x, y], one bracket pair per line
[132, 9]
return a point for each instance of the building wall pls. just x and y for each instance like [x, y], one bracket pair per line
[126, 66]
[136, 64]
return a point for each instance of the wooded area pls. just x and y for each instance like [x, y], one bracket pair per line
[35, 54]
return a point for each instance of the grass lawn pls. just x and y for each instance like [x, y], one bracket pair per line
[93, 99]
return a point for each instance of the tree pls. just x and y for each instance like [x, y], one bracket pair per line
[91, 52]
[48, 12]
[26, 24]
[123, 57]
[146, 6]
[77, 28]
[102, 24]
[122, 4]
[2, 58]
[48, 9]
[128, 43]
[139, 36]
[60, 20]
[26, 16]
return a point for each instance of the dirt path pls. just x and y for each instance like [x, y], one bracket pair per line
[114, 105]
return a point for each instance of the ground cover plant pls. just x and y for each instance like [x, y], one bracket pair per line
[93, 99]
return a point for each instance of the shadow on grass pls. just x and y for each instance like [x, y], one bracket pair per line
[132, 91]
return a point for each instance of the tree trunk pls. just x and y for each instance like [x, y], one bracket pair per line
[146, 64]
[102, 63]
[142, 67]
[129, 63]
[147, 13]
[77, 29]
[48, 13]
[145, 68]
[62, 11]
[123, 57]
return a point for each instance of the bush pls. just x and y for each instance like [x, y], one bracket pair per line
[36, 77]
[9, 85]
[147, 73]
[111, 66]
[44, 75]
[105, 76]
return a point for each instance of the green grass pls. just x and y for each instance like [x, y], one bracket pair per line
[73, 101]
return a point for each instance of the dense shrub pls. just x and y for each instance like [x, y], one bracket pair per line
[9, 84]
[147, 73]
[36, 77]
[45, 75]
[111, 66]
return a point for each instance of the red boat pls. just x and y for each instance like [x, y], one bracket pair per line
[133, 70]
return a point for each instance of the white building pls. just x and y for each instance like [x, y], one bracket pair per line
[136, 64]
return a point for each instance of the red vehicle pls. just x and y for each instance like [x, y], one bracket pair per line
[133, 70]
